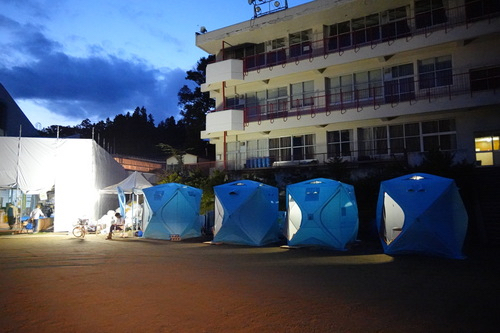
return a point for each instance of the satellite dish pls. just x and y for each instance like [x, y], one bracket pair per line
[38, 126]
[203, 29]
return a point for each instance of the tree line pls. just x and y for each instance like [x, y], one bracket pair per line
[135, 133]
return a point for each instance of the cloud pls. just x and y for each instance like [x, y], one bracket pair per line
[97, 86]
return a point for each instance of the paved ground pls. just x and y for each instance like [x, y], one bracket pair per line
[56, 283]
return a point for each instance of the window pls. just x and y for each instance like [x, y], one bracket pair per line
[372, 141]
[339, 35]
[380, 140]
[439, 135]
[341, 89]
[255, 103]
[365, 29]
[277, 101]
[477, 9]
[409, 137]
[368, 85]
[394, 23]
[356, 87]
[429, 13]
[235, 103]
[280, 149]
[435, 72]
[404, 138]
[277, 55]
[295, 148]
[399, 83]
[257, 148]
[252, 54]
[233, 154]
[487, 148]
[339, 143]
[269, 103]
[485, 79]
[302, 94]
[300, 43]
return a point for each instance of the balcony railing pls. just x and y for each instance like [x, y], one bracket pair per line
[390, 93]
[423, 23]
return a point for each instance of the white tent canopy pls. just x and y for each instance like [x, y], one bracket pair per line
[75, 168]
[134, 183]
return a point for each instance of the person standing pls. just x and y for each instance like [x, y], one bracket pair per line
[11, 215]
[35, 216]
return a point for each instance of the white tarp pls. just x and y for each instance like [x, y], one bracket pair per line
[75, 168]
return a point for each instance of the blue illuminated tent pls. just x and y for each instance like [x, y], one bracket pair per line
[172, 211]
[321, 212]
[246, 213]
[421, 213]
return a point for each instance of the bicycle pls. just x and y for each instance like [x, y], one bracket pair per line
[80, 229]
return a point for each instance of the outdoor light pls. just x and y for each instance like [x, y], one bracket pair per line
[417, 177]
[272, 6]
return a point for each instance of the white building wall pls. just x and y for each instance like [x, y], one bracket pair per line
[472, 45]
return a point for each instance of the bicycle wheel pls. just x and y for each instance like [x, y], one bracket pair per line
[78, 232]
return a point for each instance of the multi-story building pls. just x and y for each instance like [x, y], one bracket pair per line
[360, 80]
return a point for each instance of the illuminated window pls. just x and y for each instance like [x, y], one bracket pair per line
[487, 148]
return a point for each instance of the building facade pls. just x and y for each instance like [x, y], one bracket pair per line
[356, 80]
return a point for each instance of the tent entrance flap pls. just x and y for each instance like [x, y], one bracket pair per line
[394, 218]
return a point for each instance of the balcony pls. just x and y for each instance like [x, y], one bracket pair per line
[423, 23]
[226, 70]
[225, 120]
[484, 82]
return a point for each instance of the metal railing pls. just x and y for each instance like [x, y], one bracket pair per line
[379, 93]
[423, 23]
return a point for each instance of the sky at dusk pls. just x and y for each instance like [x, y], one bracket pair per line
[64, 61]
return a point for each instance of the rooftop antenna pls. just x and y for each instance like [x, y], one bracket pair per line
[264, 7]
